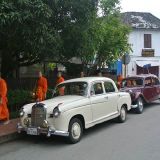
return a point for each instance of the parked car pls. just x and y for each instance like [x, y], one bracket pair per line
[144, 88]
[77, 105]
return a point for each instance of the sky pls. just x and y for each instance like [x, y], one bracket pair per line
[152, 6]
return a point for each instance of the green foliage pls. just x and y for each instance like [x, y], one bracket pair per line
[35, 30]
[16, 99]
[27, 36]
[114, 42]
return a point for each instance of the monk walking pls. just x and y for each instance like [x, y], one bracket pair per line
[59, 79]
[4, 113]
[42, 87]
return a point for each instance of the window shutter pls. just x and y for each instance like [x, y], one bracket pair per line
[147, 41]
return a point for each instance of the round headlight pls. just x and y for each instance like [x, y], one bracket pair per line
[45, 124]
[56, 112]
[21, 112]
[26, 121]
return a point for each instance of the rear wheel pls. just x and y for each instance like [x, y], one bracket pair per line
[123, 115]
[75, 130]
[140, 105]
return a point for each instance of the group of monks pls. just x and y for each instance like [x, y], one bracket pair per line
[40, 93]
[42, 86]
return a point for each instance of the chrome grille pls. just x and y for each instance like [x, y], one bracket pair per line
[38, 115]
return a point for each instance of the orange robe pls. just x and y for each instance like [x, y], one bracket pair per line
[60, 80]
[119, 80]
[41, 90]
[4, 113]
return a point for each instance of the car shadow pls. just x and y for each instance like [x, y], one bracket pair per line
[58, 141]
[43, 140]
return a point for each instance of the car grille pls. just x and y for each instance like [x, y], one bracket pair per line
[38, 115]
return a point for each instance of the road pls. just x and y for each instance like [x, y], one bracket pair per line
[136, 139]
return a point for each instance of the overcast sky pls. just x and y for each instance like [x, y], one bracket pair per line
[152, 6]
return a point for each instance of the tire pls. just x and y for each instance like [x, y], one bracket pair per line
[75, 130]
[140, 107]
[123, 115]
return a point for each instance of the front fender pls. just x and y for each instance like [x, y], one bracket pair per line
[124, 100]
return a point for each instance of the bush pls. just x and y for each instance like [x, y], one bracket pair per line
[16, 99]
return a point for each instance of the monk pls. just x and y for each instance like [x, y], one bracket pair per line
[59, 80]
[4, 113]
[42, 87]
[119, 81]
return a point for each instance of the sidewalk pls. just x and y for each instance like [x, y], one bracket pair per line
[8, 131]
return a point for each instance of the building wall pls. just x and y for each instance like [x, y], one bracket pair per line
[136, 39]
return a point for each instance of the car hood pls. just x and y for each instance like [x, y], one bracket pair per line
[62, 101]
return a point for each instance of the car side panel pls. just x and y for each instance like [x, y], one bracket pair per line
[62, 122]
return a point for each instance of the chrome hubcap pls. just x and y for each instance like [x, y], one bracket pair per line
[76, 130]
[140, 104]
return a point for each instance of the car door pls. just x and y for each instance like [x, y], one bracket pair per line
[156, 88]
[148, 90]
[101, 102]
[98, 99]
[113, 96]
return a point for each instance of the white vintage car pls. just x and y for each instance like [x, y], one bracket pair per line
[77, 105]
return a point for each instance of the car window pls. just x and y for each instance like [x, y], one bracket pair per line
[109, 87]
[155, 81]
[72, 88]
[97, 88]
[135, 82]
[148, 81]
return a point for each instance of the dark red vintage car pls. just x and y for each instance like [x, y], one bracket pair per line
[144, 88]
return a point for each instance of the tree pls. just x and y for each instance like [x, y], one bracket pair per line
[26, 35]
[33, 30]
[114, 42]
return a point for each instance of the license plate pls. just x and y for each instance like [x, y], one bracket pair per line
[32, 131]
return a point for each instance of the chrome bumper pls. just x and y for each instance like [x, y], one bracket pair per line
[47, 131]
[134, 106]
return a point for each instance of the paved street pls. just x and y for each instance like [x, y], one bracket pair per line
[137, 139]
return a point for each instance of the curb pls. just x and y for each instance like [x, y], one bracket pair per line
[8, 132]
[9, 137]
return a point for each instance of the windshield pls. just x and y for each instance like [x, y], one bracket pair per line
[72, 88]
[132, 82]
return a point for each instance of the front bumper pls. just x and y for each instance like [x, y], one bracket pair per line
[46, 131]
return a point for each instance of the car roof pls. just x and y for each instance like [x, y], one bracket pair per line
[141, 76]
[88, 79]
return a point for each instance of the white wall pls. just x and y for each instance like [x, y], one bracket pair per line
[136, 39]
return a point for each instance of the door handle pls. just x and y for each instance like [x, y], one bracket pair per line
[106, 97]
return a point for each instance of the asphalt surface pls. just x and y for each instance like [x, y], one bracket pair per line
[136, 139]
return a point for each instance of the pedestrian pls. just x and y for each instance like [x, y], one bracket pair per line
[4, 113]
[81, 74]
[41, 87]
[59, 79]
[119, 81]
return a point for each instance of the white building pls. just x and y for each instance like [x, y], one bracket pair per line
[145, 43]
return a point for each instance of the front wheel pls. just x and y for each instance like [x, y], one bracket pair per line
[123, 115]
[140, 104]
[75, 130]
